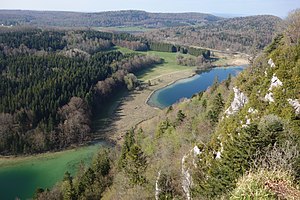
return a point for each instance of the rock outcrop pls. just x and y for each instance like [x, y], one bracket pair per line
[295, 104]
[239, 101]
[157, 189]
[185, 170]
[219, 153]
[275, 82]
[271, 63]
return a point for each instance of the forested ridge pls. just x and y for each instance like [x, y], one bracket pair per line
[240, 139]
[106, 19]
[51, 81]
[243, 34]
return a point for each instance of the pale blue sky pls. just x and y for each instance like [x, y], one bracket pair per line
[246, 7]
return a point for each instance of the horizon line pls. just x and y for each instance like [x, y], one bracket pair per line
[159, 12]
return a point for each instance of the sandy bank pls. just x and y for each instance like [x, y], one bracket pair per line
[133, 108]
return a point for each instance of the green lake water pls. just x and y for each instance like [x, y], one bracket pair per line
[21, 177]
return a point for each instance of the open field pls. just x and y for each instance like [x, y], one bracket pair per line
[168, 66]
[227, 59]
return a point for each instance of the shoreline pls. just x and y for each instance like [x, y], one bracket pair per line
[11, 160]
[110, 141]
[107, 136]
[190, 76]
[134, 109]
[136, 104]
[172, 82]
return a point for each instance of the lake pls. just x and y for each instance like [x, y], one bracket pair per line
[21, 176]
[185, 88]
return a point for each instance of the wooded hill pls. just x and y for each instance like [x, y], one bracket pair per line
[102, 19]
[242, 34]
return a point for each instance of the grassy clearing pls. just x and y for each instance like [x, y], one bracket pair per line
[227, 59]
[169, 65]
[125, 50]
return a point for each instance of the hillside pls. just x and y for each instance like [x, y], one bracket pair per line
[240, 139]
[102, 19]
[243, 34]
[201, 148]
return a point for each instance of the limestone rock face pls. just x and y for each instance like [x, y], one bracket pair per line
[271, 63]
[157, 189]
[185, 170]
[218, 156]
[269, 97]
[275, 82]
[252, 111]
[219, 153]
[295, 104]
[239, 101]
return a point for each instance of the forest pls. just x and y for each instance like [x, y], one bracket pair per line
[241, 34]
[102, 19]
[52, 80]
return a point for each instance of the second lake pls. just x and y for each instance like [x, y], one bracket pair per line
[185, 88]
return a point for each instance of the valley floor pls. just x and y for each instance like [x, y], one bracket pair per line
[133, 108]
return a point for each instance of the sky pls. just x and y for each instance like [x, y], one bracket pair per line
[237, 7]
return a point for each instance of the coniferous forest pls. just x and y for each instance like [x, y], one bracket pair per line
[50, 82]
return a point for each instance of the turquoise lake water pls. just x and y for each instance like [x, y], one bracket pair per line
[185, 88]
[21, 177]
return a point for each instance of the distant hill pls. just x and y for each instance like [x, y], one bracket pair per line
[229, 15]
[244, 34]
[102, 19]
